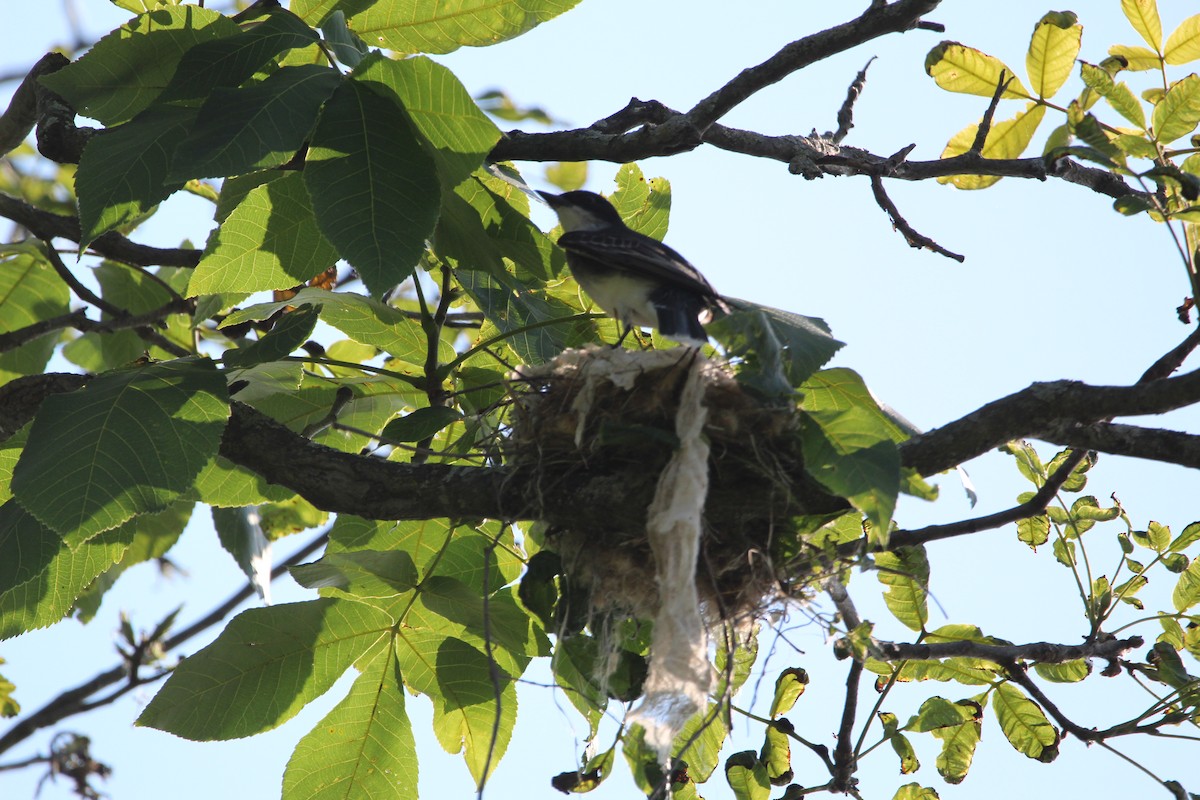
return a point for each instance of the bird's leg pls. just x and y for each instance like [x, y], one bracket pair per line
[624, 333]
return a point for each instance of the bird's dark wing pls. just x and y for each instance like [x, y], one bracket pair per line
[640, 255]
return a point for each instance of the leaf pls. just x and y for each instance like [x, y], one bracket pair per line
[1189, 536]
[240, 534]
[1179, 111]
[364, 747]
[915, 791]
[1125, 102]
[433, 26]
[40, 575]
[1006, 139]
[226, 485]
[1137, 59]
[1187, 589]
[776, 754]
[232, 60]
[900, 743]
[363, 319]
[30, 291]
[958, 68]
[789, 685]
[127, 69]
[374, 189]
[260, 126]
[269, 241]
[264, 667]
[747, 776]
[958, 750]
[1143, 16]
[937, 712]
[1052, 52]
[456, 134]
[362, 573]
[1183, 45]
[780, 350]
[1025, 724]
[123, 170]
[419, 424]
[131, 441]
[905, 573]
[288, 333]
[1066, 672]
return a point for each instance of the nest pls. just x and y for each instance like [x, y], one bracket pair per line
[612, 411]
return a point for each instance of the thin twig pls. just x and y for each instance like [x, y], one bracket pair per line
[843, 753]
[911, 236]
[985, 125]
[845, 115]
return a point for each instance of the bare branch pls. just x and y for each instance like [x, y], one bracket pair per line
[985, 125]
[911, 236]
[879, 19]
[46, 225]
[22, 112]
[844, 760]
[1156, 444]
[1039, 652]
[1041, 409]
[845, 115]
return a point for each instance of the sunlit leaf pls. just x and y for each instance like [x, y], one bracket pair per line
[1052, 51]
[958, 68]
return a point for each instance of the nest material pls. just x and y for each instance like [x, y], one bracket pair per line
[615, 410]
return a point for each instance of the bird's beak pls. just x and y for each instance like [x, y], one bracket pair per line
[549, 197]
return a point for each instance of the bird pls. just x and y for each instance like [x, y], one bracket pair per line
[636, 279]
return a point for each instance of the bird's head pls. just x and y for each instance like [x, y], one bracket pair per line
[583, 211]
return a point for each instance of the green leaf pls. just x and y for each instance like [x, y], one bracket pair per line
[123, 170]
[269, 241]
[645, 205]
[264, 667]
[1052, 52]
[457, 135]
[850, 453]
[1183, 45]
[958, 68]
[420, 424]
[1006, 139]
[1143, 16]
[129, 442]
[789, 685]
[1189, 536]
[363, 319]
[776, 754]
[915, 791]
[260, 126]
[900, 743]
[234, 59]
[1157, 537]
[434, 26]
[1187, 589]
[1024, 724]
[226, 485]
[1066, 672]
[1034, 531]
[126, 70]
[30, 292]
[1179, 111]
[40, 575]
[1138, 59]
[747, 776]
[288, 333]
[958, 750]
[362, 573]
[779, 349]
[905, 573]
[936, 713]
[374, 189]
[364, 747]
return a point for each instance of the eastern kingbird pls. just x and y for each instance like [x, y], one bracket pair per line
[638, 280]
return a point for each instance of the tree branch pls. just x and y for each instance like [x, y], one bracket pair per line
[1039, 410]
[1155, 444]
[47, 225]
[1040, 652]
[74, 701]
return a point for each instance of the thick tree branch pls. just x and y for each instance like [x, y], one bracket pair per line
[22, 112]
[1041, 409]
[1040, 652]
[878, 20]
[1156, 444]
[47, 225]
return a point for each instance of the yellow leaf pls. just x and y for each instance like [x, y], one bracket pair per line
[1052, 51]
[1179, 111]
[1143, 16]
[958, 68]
[1138, 59]
[1006, 139]
[1183, 45]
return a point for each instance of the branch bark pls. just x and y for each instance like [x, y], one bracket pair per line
[1040, 652]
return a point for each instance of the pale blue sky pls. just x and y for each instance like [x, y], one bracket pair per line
[1056, 285]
